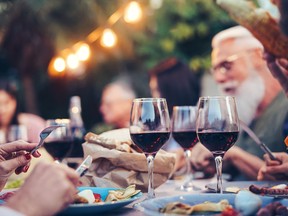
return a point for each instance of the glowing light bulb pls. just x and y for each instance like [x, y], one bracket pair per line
[108, 38]
[133, 12]
[83, 52]
[72, 61]
[59, 64]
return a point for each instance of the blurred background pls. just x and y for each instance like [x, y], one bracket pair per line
[41, 40]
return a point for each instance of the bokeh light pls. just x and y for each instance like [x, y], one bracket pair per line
[109, 38]
[133, 12]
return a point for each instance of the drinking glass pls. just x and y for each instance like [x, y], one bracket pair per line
[217, 128]
[184, 133]
[59, 143]
[149, 130]
[17, 132]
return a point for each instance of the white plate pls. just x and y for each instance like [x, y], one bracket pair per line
[151, 207]
[244, 185]
[81, 209]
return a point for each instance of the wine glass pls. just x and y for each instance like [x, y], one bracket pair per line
[59, 143]
[17, 132]
[149, 130]
[217, 128]
[184, 133]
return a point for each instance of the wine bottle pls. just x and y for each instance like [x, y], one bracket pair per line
[77, 126]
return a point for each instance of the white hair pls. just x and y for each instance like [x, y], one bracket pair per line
[241, 36]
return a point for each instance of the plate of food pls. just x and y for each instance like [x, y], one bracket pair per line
[96, 199]
[236, 186]
[212, 204]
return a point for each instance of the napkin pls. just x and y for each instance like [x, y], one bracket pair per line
[117, 162]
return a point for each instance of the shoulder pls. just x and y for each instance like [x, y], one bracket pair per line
[29, 118]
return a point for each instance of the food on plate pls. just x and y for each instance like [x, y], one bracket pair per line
[247, 203]
[230, 212]
[260, 23]
[87, 196]
[122, 194]
[268, 190]
[181, 208]
[275, 208]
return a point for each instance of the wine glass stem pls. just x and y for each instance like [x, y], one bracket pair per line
[189, 175]
[150, 163]
[218, 161]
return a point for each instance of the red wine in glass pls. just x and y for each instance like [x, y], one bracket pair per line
[58, 149]
[217, 128]
[150, 142]
[184, 133]
[60, 142]
[186, 139]
[218, 142]
[149, 130]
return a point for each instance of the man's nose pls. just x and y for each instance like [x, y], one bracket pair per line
[220, 77]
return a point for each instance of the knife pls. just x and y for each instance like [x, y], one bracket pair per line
[84, 166]
[254, 137]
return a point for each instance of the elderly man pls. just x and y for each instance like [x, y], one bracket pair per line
[116, 104]
[241, 71]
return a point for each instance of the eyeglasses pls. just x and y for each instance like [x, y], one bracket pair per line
[225, 66]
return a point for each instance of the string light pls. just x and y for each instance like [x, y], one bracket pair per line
[71, 60]
[133, 12]
[82, 51]
[109, 38]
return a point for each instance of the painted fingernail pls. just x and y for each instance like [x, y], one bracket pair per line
[27, 156]
[38, 153]
[25, 169]
[18, 171]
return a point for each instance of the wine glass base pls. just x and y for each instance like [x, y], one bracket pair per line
[188, 187]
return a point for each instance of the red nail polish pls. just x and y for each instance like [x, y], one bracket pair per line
[38, 153]
[27, 156]
[25, 169]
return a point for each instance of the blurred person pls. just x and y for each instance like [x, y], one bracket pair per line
[43, 193]
[240, 71]
[10, 114]
[172, 79]
[116, 102]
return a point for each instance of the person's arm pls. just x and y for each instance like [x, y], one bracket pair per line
[245, 162]
[50, 188]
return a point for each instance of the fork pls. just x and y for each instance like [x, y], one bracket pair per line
[43, 135]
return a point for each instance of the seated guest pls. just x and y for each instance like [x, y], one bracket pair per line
[240, 71]
[10, 115]
[116, 105]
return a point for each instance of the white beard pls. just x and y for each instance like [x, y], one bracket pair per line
[248, 94]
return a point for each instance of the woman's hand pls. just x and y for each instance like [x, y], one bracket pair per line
[49, 189]
[14, 156]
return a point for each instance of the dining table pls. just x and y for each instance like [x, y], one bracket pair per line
[169, 188]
